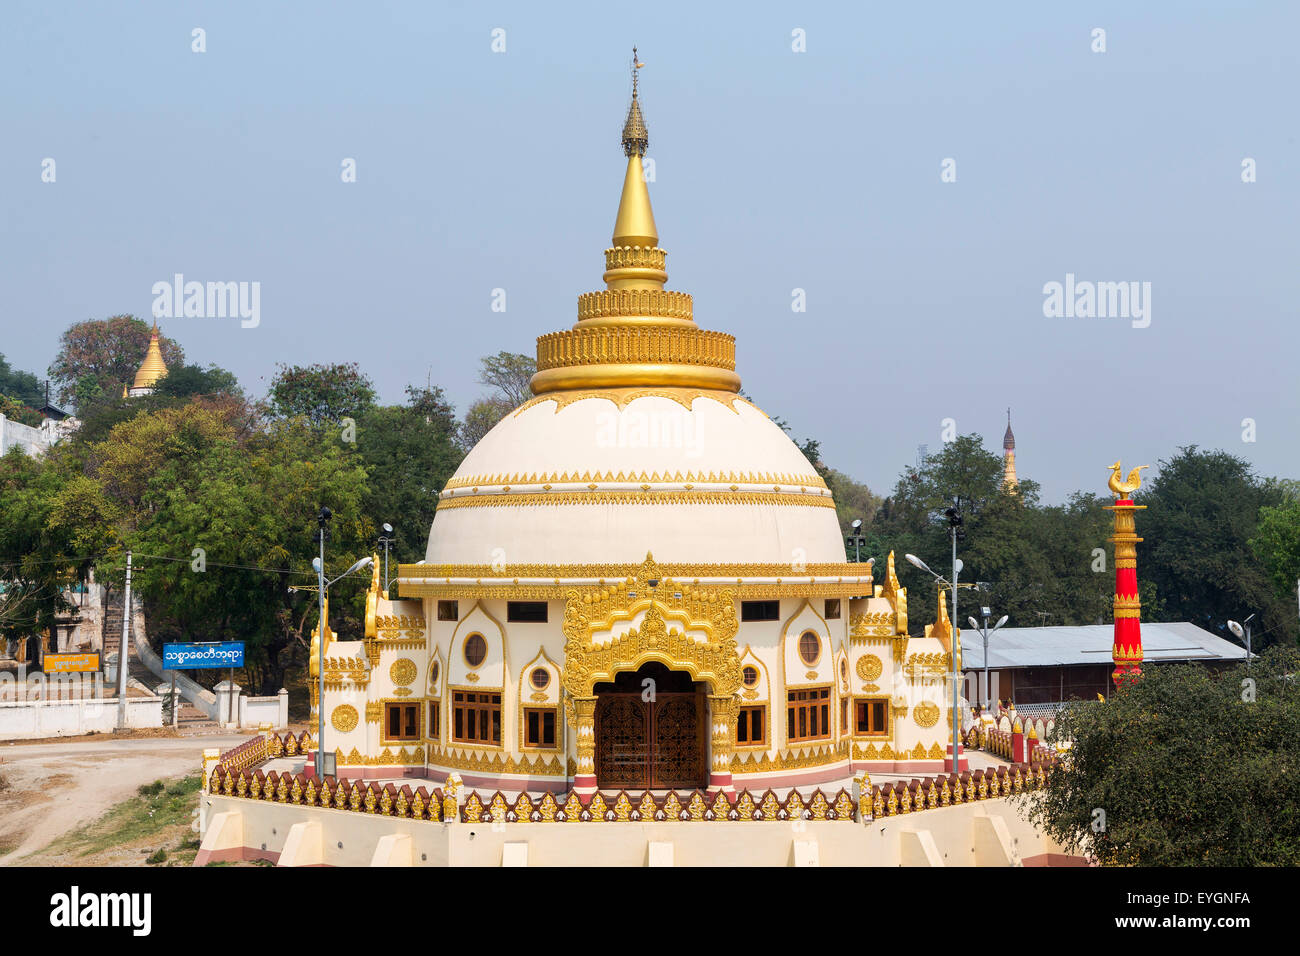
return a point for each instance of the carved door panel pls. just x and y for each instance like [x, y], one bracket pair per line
[677, 755]
[622, 742]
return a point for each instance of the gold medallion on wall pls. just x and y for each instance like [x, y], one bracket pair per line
[403, 671]
[925, 714]
[344, 717]
[869, 667]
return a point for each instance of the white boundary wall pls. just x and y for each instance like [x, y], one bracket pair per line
[28, 719]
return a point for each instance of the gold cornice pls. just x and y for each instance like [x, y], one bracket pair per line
[646, 497]
[632, 346]
[623, 573]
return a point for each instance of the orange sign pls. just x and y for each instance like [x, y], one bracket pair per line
[70, 663]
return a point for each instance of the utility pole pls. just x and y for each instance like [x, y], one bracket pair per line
[122, 651]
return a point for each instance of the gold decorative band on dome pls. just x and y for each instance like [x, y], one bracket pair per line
[711, 477]
[628, 303]
[625, 345]
[638, 497]
[623, 397]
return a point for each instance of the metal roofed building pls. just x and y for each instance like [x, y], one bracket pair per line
[1044, 665]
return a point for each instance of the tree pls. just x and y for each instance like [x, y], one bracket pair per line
[23, 387]
[323, 394]
[481, 418]
[108, 352]
[1277, 543]
[190, 380]
[1202, 512]
[509, 373]
[1182, 767]
[409, 452]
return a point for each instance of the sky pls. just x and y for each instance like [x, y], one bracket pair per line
[797, 146]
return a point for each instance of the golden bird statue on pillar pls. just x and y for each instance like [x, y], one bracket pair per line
[1124, 489]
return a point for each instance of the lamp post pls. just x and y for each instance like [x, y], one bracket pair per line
[318, 564]
[384, 539]
[856, 539]
[1243, 635]
[954, 531]
[985, 632]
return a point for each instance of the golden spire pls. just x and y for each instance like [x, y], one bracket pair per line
[1009, 480]
[635, 333]
[153, 369]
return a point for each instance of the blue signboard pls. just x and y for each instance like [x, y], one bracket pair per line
[179, 657]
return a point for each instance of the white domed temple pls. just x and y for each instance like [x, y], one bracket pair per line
[636, 581]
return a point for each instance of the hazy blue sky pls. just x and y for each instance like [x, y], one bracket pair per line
[775, 170]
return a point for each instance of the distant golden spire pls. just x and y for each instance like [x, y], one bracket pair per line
[635, 332]
[1009, 480]
[153, 369]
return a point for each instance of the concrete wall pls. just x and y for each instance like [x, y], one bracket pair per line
[988, 833]
[24, 720]
[255, 711]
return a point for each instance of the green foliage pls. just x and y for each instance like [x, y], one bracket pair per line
[18, 412]
[322, 394]
[1187, 770]
[1202, 512]
[190, 380]
[481, 418]
[23, 387]
[409, 451]
[1277, 542]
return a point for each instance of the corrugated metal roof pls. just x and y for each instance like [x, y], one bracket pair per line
[1091, 644]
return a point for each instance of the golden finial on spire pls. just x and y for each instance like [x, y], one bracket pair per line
[635, 136]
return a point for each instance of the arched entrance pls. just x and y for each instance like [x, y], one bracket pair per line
[650, 731]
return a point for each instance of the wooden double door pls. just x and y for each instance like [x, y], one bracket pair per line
[650, 736]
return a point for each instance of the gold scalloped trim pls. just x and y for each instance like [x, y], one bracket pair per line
[622, 397]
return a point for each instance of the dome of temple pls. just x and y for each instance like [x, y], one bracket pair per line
[637, 439]
[691, 476]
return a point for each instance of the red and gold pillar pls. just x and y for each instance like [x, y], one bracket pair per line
[1127, 651]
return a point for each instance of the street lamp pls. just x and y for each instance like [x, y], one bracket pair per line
[318, 565]
[856, 539]
[384, 539]
[1243, 635]
[954, 531]
[985, 632]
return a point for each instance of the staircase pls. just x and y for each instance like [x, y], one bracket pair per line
[112, 640]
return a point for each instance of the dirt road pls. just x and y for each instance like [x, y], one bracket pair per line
[55, 788]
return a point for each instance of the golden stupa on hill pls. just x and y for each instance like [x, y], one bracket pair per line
[152, 370]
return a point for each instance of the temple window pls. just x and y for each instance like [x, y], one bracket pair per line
[751, 726]
[448, 611]
[435, 719]
[871, 716]
[402, 721]
[808, 714]
[475, 650]
[539, 727]
[760, 610]
[476, 717]
[540, 678]
[526, 612]
[749, 676]
[810, 648]
[832, 609]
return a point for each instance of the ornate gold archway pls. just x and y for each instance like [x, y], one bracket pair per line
[671, 613]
